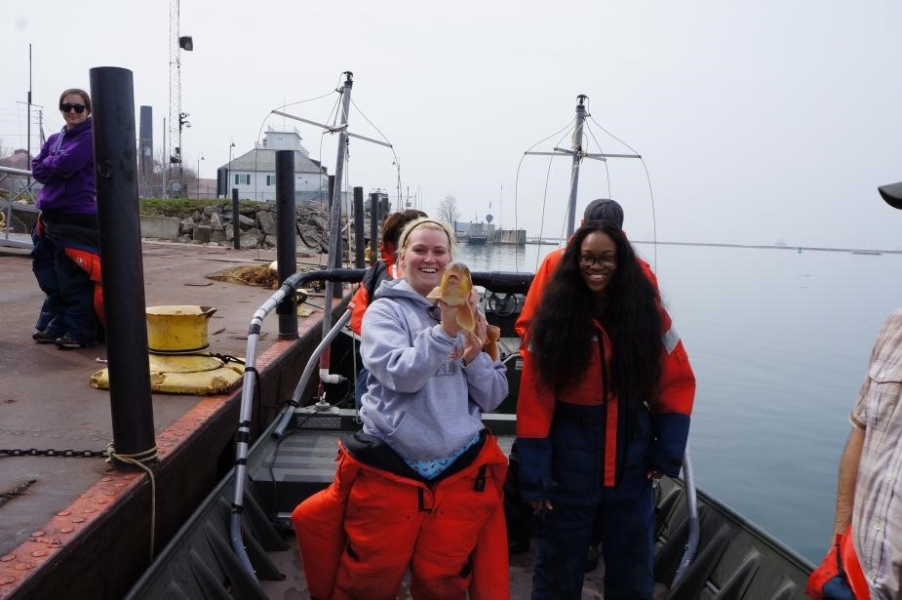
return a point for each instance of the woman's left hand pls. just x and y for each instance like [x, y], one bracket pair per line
[473, 344]
[654, 477]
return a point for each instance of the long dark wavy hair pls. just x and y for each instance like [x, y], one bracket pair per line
[561, 335]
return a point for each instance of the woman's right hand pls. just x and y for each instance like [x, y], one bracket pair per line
[539, 505]
[449, 319]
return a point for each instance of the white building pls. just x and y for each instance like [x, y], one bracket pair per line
[254, 173]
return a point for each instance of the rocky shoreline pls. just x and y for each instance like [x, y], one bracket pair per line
[257, 227]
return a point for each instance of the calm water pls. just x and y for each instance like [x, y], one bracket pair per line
[779, 341]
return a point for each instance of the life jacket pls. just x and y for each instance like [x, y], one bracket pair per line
[670, 408]
[90, 264]
[839, 576]
[372, 279]
[359, 536]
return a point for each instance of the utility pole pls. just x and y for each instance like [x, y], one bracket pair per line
[164, 164]
[28, 142]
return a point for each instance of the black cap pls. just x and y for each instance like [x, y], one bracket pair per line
[604, 209]
[892, 193]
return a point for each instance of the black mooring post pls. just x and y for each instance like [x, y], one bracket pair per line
[112, 93]
[286, 241]
[236, 223]
[359, 218]
[374, 229]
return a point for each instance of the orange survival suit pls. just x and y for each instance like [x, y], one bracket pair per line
[670, 409]
[360, 535]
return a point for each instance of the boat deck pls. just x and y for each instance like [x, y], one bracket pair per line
[50, 504]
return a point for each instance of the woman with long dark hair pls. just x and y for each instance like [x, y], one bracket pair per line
[605, 398]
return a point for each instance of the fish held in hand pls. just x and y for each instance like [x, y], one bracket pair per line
[454, 290]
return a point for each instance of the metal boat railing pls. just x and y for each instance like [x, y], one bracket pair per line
[691, 547]
[7, 206]
[287, 289]
[497, 282]
[312, 366]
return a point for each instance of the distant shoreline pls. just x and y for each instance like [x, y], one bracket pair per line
[863, 251]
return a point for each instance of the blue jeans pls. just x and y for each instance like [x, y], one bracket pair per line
[626, 512]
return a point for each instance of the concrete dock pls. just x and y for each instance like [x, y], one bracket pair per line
[75, 527]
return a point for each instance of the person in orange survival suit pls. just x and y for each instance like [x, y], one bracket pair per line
[520, 523]
[604, 409]
[420, 488]
[385, 269]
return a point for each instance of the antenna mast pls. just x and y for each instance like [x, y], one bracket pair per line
[178, 120]
[577, 153]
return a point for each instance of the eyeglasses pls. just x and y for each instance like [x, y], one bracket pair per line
[587, 260]
[78, 108]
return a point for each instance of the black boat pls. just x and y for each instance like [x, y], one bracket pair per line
[239, 543]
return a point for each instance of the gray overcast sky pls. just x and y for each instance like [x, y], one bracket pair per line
[758, 121]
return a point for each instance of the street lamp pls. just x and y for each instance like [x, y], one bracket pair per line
[229, 170]
[200, 157]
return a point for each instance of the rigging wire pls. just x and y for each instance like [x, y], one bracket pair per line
[346, 183]
[545, 197]
[260, 134]
[654, 218]
[396, 161]
[591, 138]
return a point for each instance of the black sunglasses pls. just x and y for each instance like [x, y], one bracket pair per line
[78, 108]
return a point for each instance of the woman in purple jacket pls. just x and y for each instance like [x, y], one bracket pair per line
[66, 240]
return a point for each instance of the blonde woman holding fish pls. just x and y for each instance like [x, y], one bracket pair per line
[421, 487]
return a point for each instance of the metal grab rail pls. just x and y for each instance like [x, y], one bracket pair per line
[247, 392]
[11, 171]
[691, 546]
[311, 367]
[7, 205]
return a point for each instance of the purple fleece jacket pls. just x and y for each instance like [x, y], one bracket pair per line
[65, 166]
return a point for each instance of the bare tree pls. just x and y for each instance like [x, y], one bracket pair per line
[447, 209]
[4, 151]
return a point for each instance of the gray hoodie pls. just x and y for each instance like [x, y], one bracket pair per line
[420, 401]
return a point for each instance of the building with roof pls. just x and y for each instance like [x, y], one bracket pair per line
[254, 173]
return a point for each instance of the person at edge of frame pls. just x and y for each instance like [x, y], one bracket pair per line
[865, 560]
